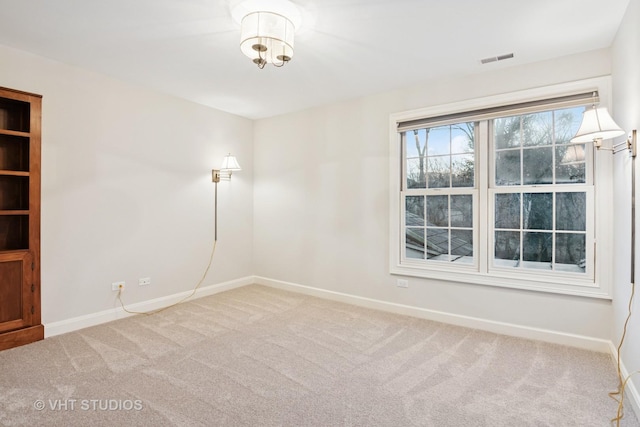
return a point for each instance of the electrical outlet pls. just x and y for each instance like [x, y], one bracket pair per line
[144, 281]
[402, 283]
[117, 286]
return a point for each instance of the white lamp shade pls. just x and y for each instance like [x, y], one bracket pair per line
[267, 36]
[597, 124]
[230, 164]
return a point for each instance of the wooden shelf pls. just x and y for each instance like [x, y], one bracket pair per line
[14, 212]
[13, 173]
[14, 133]
[13, 252]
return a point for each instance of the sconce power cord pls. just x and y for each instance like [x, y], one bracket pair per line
[618, 395]
[206, 271]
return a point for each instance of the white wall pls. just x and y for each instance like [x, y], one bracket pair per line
[321, 202]
[626, 111]
[126, 188]
[127, 194]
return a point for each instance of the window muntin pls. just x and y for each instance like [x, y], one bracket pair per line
[440, 157]
[535, 149]
[439, 194]
[540, 229]
[544, 230]
[596, 174]
[439, 228]
[537, 195]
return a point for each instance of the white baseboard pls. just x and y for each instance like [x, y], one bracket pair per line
[555, 337]
[80, 322]
[630, 391]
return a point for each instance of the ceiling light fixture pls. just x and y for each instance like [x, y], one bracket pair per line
[267, 30]
[267, 38]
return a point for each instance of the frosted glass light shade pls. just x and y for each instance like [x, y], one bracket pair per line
[230, 164]
[597, 124]
[267, 38]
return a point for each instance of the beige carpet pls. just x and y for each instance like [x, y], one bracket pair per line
[257, 356]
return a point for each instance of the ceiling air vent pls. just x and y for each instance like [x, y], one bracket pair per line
[497, 58]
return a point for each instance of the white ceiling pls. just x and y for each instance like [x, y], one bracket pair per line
[346, 48]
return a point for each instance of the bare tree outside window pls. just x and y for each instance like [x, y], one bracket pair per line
[499, 195]
[439, 227]
[534, 150]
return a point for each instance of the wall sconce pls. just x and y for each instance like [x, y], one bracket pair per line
[229, 165]
[597, 124]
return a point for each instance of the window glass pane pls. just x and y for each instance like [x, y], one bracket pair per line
[547, 149]
[462, 211]
[538, 166]
[416, 176]
[571, 161]
[462, 137]
[537, 247]
[463, 173]
[414, 211]
[507, 210]
[437, 243]
[537, 129]
[429, 157]
[567, 122]
[440, 157]
[439, 141]
[571, 252]
[416, 142]
[462, 243]
[507, 245]
[539, 227]
[508, 167]
[571, 211]
[415, 243]
[439, 172]
[506, 132]
[537, 211]
[438, 211]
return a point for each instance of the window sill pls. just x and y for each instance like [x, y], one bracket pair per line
[505, 280]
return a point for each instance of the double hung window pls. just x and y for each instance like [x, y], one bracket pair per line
[540, 194]
[440, 179]
[498, 195]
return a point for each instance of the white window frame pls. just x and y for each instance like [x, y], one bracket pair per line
[448, 191]
[596, 283]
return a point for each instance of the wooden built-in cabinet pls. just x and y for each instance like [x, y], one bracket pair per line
[20, 117]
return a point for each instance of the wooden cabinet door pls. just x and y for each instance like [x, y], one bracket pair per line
[17, 291]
